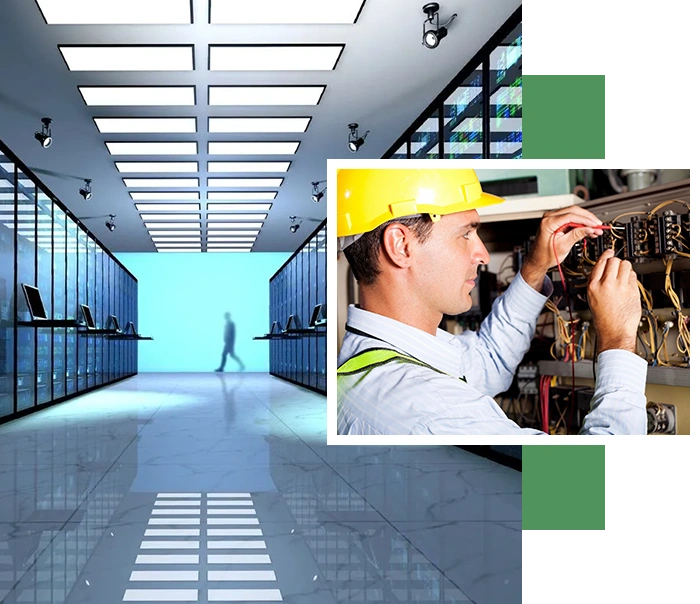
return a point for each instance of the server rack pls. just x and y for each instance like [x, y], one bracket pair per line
[295, 289]
[43, 244]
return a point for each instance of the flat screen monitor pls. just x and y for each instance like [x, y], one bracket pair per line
[113, 323]
[317, 315]
[131, 328]
[34, 302]
[291, 323]
[87, 314]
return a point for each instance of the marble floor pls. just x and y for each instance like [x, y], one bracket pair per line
[220, 487]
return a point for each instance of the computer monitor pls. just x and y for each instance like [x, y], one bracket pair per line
[113, 323]
[292, 323]
[87, 314]
[318, 315]
[34, 302]
[130, 328]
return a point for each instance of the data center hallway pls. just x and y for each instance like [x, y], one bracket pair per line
[220, 487]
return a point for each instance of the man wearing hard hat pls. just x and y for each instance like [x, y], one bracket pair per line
[411, 239]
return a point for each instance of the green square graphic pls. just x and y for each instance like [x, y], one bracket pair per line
[564, 117]
[564, 487]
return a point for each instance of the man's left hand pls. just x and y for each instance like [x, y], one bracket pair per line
[541, 257]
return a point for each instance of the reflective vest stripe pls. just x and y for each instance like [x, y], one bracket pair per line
[375, 357]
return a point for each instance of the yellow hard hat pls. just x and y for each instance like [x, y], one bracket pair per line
[369, 197]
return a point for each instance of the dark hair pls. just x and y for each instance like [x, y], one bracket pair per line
[363, 254]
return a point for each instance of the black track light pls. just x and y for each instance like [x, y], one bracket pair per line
[110, 223]
[44, 137]
[86, 191]
[354, 141]
[317, 194]
[294, 228]
[433, 32]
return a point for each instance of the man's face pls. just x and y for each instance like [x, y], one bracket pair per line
[446, 264]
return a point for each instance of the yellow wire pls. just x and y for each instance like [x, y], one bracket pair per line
[665, 203]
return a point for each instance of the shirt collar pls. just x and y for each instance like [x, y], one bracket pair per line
[441, 351]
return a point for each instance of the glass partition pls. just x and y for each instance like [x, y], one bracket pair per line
[506, 101]
[7, 285]
[464, 119]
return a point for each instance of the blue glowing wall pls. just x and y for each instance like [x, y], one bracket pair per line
[182, 300]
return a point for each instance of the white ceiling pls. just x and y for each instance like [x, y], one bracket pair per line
[383, 79]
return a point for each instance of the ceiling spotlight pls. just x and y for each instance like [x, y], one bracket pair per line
[86, 191]
[44, 137]
[355, 142]
[295, 227]
[432, 31]
[110, 223]
[317, 194]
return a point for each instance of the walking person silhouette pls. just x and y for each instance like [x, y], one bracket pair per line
[229, 341]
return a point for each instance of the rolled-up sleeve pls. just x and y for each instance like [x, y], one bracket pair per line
[618, 405]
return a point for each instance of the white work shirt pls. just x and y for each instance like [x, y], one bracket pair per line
[404, 398]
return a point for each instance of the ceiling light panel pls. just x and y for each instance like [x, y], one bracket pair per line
[301, 57]
[110, 125]
[239, 207]
[167, 207]
[231, 245]
[240, 195]
[124, 12]
[147, 217]
[244, 183]
[233, 225]
[253, 148]
[156, 167]
[212, 233]
[220, 167]
[155, 232]
[265, 95]
[284, 11]
[163, 250]
[234, 217]
[258, 124]
[141, 96]
[180, 245]
[165, 183]
[172, 225]
[128, 58]
[165, 196]
[152, 148]
[232, 239]
[176, 239]
[228, 250]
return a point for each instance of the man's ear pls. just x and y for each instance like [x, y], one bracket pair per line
[398, 241]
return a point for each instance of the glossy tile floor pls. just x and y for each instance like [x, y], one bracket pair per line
[220, 487]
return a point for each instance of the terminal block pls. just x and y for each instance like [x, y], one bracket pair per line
[668, 228]
[603, 242]
[638, 239]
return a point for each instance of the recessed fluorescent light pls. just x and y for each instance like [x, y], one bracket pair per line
[167, 249]
[248, 183]
[213, 232]
[182, 245]
[231, 245]
[243, 207]
[124, 12]
[147, 217]
[157, 166]
[176, 239]
[298, 57]
[216, 167]
[152, 148]
[172, 225]
[233, 225]
[228, 250]
[231, 239]
[167, 207]
[241, 195]
[146, 124]
[128, 58]
[165, 183]
[235, 217]
[165, 196]
[258, 124]
[284, 11]
[257, 148]
[157, 233]
[143, 96]
[265, 95]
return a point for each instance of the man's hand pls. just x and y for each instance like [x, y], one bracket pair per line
[614, 298]
[541, 257]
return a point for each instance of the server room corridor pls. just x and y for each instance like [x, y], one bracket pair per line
[220, 487]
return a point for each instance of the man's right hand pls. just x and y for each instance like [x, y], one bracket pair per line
[614, 298]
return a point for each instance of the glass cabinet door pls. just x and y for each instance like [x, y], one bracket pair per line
[82, 300]
[101, 316]
[323, 297]
[91, 341]
[7, 285]
[44, 335]
[506, 102]
[425, 140]
[464, 119]
[71, 306]
[26, 274]
[59, 300]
